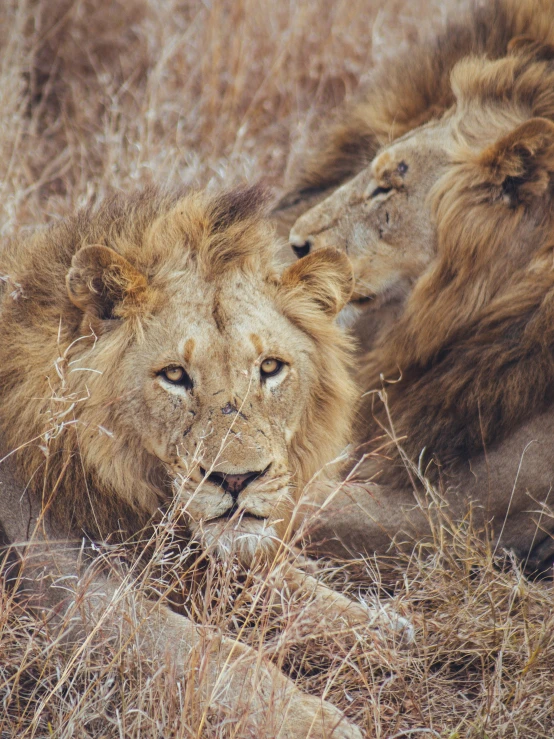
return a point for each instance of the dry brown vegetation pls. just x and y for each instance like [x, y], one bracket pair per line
[98, 95]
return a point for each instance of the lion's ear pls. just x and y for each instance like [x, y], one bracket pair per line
[101, 282]
[325, 276]
[520, 164]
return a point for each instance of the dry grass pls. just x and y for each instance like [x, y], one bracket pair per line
[96, 96]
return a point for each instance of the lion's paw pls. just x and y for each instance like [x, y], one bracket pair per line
[311, 718]
[384, 620]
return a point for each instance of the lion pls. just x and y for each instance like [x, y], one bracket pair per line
[403, 92]
[455, 222]
[153, 358]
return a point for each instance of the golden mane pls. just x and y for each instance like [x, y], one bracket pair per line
[159, 237]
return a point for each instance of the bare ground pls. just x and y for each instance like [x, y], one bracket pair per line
[97, 96]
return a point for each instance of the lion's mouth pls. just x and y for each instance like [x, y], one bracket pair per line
[363, 300]
[391, 290]
[240, 513]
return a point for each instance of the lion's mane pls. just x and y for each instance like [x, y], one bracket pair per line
[40, 329]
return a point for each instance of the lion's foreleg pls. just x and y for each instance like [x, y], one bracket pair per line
[229, 678]
[324, 608]
[83, 606]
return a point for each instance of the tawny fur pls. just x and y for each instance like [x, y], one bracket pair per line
[98, 313]
[474, 345]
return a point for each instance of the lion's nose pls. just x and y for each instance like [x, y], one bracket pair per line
[300, 246]
[234, 484]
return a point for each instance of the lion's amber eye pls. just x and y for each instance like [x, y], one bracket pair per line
[270, 367]
[177, 376]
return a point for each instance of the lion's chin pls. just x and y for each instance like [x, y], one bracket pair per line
[393, 289]
[245, 538]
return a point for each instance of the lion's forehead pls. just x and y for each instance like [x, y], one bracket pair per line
[234, 321]
[422, 147]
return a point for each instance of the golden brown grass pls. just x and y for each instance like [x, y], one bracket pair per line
[98, 95]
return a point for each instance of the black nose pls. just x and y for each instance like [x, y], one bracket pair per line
[233, 484]
[302, 250]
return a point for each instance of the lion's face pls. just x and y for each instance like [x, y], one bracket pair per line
[221, 383]
[211, 383]
[382, 218]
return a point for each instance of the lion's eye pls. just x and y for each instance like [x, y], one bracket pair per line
[270, 367]
[176, 376]
[402, 168]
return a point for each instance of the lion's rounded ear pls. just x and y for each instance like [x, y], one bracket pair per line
[100, 282]
[325, 276]
[521, 163]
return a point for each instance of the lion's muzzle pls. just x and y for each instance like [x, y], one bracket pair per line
[234, 484]
[244, 512]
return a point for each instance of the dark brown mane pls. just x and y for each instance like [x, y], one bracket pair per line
[475, 345]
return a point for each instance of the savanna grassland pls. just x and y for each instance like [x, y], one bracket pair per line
[97, 96]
